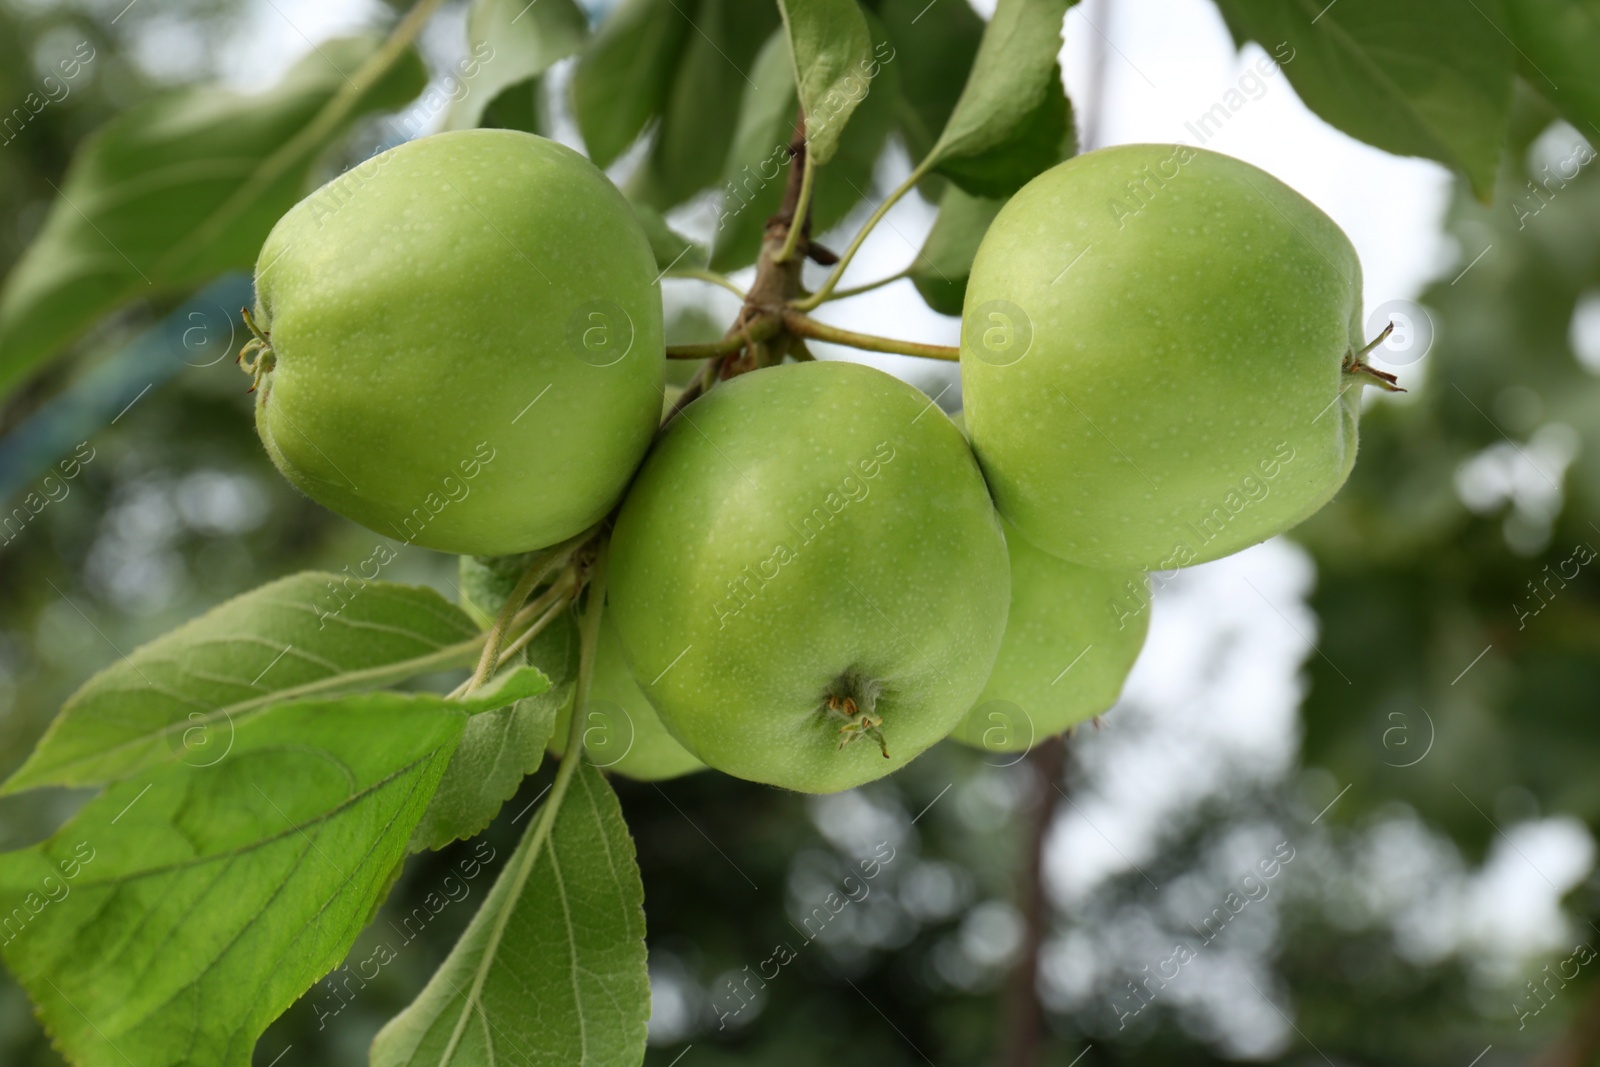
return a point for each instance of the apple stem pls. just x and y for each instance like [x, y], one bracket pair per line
[857, 290]
[806, 326]
[543, 566]
[708, 276]
[759, 330]
[797, 237]
[832, 282]
[543, 609]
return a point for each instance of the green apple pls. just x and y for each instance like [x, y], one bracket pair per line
[808, 577]
[463, 343]
[1161, 357]
[1071, 639]
[621, 731]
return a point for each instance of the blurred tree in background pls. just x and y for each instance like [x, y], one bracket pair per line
[1450, 678]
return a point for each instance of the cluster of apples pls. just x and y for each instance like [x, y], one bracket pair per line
[814, 574]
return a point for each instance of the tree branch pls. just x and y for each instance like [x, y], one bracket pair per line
[744, 347]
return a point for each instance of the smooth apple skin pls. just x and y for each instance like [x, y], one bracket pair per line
[1182, 395]
[622, 733]
[801, 530]
[1072, 636]
[435, 371]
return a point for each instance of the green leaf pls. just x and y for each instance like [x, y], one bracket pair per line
[504, 689]
[1008, 93]
[844, 182]
[831, 49]
[623, 77]
[1557, 41]
[1360, 66]
[1045, 137]
[144, 207]
[183, 695]
[183, 910]
[502, 747]
[552, 969]
[671, 248]
[934, 46]
[755, 173]
[942, 268]
[700, 111]
[518, 108]
[510, 43]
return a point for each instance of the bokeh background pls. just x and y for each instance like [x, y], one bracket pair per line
[1399, 703]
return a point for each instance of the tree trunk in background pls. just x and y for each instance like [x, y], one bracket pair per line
[1580, 1046]
[1022, 1038]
